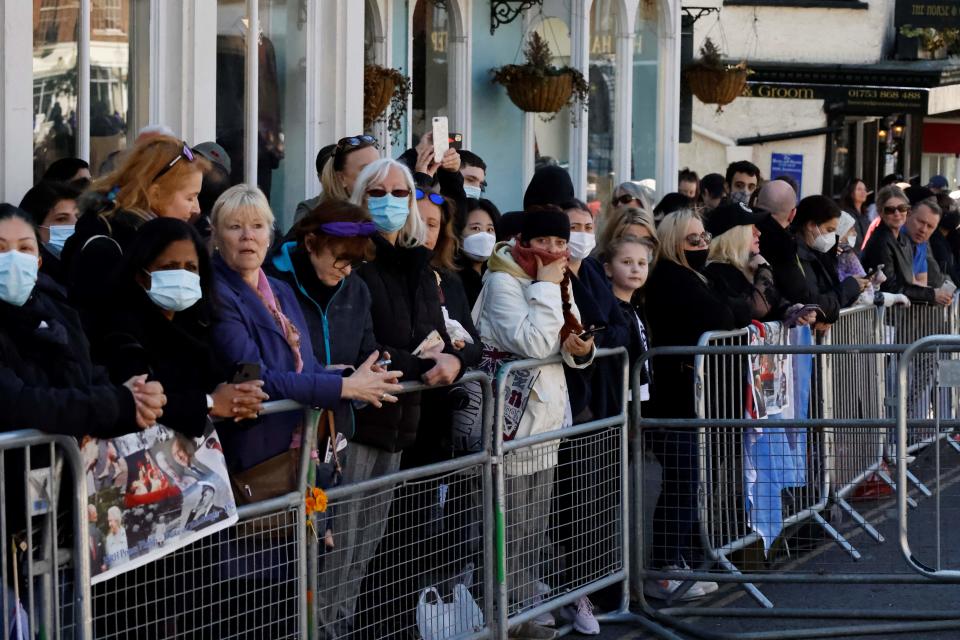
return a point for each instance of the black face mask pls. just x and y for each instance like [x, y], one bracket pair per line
[696, 259]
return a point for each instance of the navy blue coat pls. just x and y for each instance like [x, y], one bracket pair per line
[245, 331]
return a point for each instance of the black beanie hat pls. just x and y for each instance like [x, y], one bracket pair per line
[549, 185]
[540, 223]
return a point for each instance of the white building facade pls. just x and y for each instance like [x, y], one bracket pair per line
[81, 77]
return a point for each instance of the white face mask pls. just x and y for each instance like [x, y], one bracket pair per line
[581, 244]
[174, 289]
[18, 277]
[479, 246]
[824, 241]
[59, 234]
[472, 191]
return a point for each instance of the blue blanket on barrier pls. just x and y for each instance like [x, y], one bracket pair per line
[774, 457]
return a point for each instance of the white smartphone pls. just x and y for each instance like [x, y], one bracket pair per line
[441, 138]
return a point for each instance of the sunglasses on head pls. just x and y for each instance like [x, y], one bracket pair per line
[352, 142]
[627, 199]
[185, 152]
[435, 198]
[396, 193]
[892, 209]
[697, 239]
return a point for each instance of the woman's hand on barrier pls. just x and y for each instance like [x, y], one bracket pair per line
[148, 398]
[372, 387]
[942, 298]
[552, 272]
[238, 401]
[577, 347]
[445, 371]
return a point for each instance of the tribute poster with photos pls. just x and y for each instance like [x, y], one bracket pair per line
[150, 493]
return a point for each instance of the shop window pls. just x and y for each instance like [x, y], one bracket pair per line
[431, 51]
[117, 89]
[281, 111]
[604, 33]
[644, 116]
[552, 134]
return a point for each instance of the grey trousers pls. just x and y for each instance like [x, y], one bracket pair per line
[528, 502]
[358, 526]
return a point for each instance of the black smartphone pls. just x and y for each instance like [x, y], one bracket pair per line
[872, 272]
[455, 140]
[245, 372]
[592, 331]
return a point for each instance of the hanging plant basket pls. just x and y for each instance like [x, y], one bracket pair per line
[538, 86]
[714, 82]
[540, 94]
[716, 86]
[383, 87]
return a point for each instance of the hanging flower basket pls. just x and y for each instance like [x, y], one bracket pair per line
[714, 82]
[383, 87]
[538, 86]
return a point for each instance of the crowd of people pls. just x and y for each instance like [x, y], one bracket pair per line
[140, 296]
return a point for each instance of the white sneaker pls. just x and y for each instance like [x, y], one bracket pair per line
[706, 585]
[664, 588]
[583, 619]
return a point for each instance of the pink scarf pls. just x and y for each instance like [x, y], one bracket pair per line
[286, 327]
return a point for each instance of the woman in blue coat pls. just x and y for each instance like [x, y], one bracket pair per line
[260, 322]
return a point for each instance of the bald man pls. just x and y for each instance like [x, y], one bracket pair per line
[777, 244]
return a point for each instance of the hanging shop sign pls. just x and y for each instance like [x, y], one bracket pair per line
[939, 14]
[849, 99]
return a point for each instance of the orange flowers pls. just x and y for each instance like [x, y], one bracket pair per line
[316, 501]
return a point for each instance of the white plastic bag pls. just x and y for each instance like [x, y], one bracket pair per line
[439, 620]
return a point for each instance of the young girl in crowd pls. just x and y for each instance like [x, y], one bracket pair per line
[478, 233]
[53, 206]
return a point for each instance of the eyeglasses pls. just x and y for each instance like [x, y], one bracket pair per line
[185, 152]
[698, 239]
[627, 199]
[396, 193]
[435, 198]
[891, 209]
[343, 262]
[351, 142]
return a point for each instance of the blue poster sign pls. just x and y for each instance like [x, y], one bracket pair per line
[788, 164]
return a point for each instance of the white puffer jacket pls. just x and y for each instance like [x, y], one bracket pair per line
[516, 315]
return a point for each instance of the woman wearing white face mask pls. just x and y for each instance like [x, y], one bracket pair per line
[158, 323]
[47, 380]
[815, 227]
[54, 209]
[478, 231]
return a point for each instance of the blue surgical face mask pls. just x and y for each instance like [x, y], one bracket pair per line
[473, 191]
[59, 234]
[389, 212]
[174, 289]
[18, 276]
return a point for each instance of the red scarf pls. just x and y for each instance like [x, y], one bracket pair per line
[526, 259]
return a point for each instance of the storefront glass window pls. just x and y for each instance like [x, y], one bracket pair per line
[372, 34]
[431, 40]
[644, 116]
[552, 135]
[604, 30]
[282, 98]
[55, 76]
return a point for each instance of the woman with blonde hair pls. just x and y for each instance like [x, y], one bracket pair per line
[681, 306]
[627, 221]
[159, 178]
[736, 270]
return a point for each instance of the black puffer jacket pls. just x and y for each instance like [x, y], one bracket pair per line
[823, 284]
[896, 256]
[47, 380]
[779, 248]
[757, 300]
[136, 338]
[405, 309]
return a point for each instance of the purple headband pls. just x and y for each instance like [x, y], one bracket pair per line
[349, 229]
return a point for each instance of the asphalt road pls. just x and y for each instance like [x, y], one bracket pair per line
[873, 599]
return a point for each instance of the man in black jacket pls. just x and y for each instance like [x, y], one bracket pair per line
[777, 244]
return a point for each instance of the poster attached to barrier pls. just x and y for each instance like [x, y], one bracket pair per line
[151, 493]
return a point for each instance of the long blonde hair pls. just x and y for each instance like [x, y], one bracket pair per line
[733, 247]
[672, 231]
[414, 231]
[133, 178]
[333, 188]
[614, 225]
